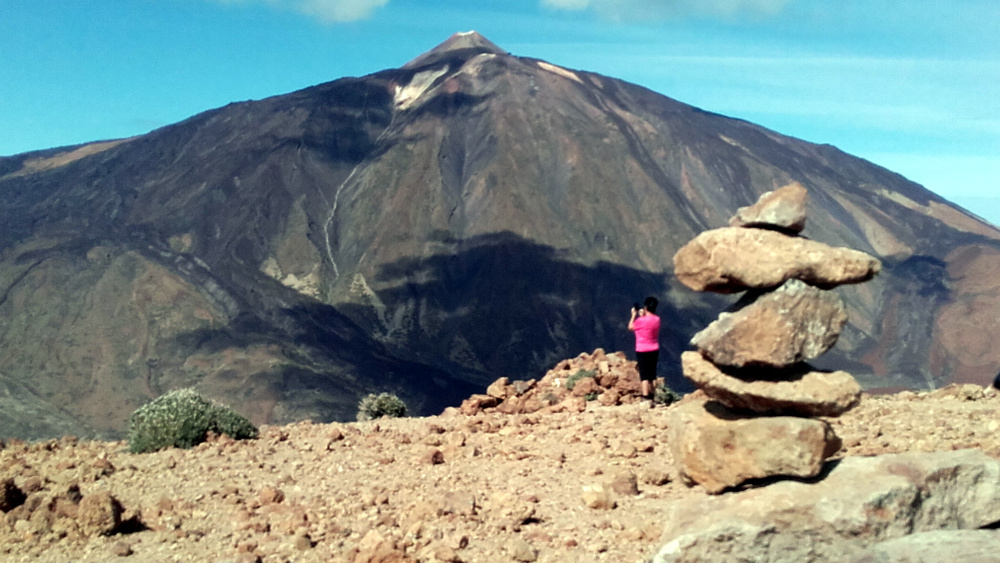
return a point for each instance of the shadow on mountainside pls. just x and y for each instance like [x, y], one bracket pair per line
[324, 364]
[500, 305]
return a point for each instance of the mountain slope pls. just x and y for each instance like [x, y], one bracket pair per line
[430, 228]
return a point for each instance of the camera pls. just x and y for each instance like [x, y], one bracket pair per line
[637, 306]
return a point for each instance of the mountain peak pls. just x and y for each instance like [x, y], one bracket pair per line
[466, 40]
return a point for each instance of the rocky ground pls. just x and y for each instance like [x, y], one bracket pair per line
[562, 486]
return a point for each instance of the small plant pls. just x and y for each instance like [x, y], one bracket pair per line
[664, 395]
[183, 419]
[590, 396]
[375, 406]
[580, 374]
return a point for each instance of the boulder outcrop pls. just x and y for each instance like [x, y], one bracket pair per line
[611, 379]
[967, 546]
[860, 501]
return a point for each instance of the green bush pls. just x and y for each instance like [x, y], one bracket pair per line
[580, 374]
[182, 419]
[664, 395]
[375, 406]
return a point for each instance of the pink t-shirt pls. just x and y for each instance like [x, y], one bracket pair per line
[647, 333]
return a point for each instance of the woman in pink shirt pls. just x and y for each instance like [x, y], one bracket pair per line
[646, 326]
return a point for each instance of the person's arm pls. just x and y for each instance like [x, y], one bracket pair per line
[631, 321]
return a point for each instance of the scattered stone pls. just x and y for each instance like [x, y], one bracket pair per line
[432, 456]
[733, 259]
[510, 511]
[121, 549]
[477, 404]
[438, 552]
[860, 502]
[271, 495]
[99, 514]
[597, 497]
[462, 503]
[794, 323]
[625, 484]
[655, 476]
[791, 392]
[10, 495]
[500, 389]
[375, 548]
[521, 550]
[302, 542]
[719, 448]
[32, 484]
[784, 209]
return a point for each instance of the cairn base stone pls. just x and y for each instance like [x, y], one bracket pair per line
[719, 448]
[792, 392]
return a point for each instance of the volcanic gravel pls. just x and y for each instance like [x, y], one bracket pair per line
[579, 487]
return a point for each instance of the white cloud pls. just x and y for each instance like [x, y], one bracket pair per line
[566, 4]
[327, 11]
[340, 10]
[639, 10]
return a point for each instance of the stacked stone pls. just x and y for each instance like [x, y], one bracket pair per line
[755, 417]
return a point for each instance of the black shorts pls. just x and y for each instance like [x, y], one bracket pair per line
[647, 364]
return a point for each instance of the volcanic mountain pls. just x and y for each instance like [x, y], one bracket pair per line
[425, 230]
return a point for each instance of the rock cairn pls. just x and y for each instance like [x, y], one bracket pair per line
[610, 379]
[754, 417]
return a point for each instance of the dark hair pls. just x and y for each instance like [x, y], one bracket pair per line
[651, 304]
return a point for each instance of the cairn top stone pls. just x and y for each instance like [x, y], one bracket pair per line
[796, 392]
[732, 259]
[783, 209]
[791, 324]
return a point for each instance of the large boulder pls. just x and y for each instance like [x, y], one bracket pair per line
[967, 546]
[719, 448]
[733, 259]
[783, 209]
[860, 502]
[798, 391]
[791, 324]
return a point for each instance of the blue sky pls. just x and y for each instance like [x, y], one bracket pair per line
[912, 85]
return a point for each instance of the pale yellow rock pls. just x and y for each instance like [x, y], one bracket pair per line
[733, 259]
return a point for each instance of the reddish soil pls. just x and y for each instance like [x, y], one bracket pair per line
[482, 488]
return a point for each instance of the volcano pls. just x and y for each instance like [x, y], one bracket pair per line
[425, 230]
